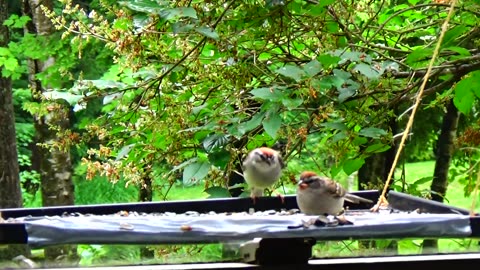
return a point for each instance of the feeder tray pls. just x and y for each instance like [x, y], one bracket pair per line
[277, 224]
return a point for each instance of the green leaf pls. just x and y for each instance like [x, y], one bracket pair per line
[124, 151]
[14, 21]
[251, 124]
[335, 125]
[270, 93]
[377, 148]
[339, 136]
[345, 93]
[367, 71]
[332, 27]
[324, 3]
[195, 172]
[173, 13]
[291, 71]
[274, 3]
[11, 64]
[201, 108]
[147, 6]
[208, 32]
[359, 140]
[352, 56]
[217, 192]
[11, 20]
[292, 103]
[100, 84]
[464, 99]
[372, 132]
[121, 24]
[272, 123]
[460, 50]
[450, 38]
[353, 165]
[328, 60]
[181, 27]
[5, 51]
[418, 55]
[341, 74]
[335, 170]
[111, 98]
[141, 20]
[312, 68]
[423, 180]
[215, 141]
[316, 10]
[72, 99]
[472, 82]
[219, 158]
[465, 92]
[183, 164]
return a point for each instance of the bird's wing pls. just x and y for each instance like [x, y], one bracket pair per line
[333, 188]
[282, 163]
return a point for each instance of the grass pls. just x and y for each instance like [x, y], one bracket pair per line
[413, 171]
[455, 191]
[181, 192]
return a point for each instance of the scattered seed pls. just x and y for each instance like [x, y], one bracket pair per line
[126, 226]
[186, 228]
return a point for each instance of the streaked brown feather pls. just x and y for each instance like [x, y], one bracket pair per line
[333, 187]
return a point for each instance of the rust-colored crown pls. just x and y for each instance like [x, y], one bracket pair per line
[307, 174]
[267, 151]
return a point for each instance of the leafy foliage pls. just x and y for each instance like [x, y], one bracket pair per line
[192, 81]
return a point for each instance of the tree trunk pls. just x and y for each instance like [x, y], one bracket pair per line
[146, 195]
[55, 164]
[373, 175]
[146, 188]
[444, 152]
[52, 160]
[10, 191]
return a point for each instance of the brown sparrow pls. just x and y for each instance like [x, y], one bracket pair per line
[317, 195]
[261, 169]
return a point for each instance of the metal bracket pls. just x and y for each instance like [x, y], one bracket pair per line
[272, 251]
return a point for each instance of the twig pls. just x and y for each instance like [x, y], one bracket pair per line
[405, 10]
[382, 201]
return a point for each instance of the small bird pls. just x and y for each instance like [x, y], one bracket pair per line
[261, 169]
[317, 195]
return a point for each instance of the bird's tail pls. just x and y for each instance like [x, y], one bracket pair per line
[356, 199]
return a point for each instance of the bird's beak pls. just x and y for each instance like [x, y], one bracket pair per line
[302, 185]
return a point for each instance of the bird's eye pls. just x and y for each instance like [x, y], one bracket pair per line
[308, 181]
[262, 156]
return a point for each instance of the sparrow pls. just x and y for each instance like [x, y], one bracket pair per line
[261, 169]
[317, 195]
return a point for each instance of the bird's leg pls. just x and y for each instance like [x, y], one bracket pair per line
[279, 195]
[342, 220]
[253, 197]
[255, 193]
[282, 198]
